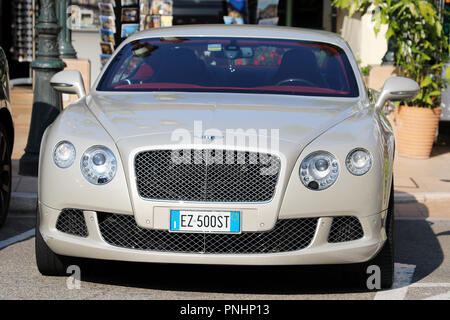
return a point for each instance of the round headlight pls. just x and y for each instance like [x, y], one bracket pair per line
[98, 165]
[64, 154]
[359, 161]
[319, 170]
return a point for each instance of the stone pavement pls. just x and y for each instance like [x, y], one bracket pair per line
[422, 187]
[23, 193]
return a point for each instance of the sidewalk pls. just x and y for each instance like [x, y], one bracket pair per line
[422, 187]
[23, 193]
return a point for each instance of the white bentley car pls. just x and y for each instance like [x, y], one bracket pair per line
[230, 145]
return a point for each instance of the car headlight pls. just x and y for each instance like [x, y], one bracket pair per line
[98, 165]
[319, 170]
[64, 154]
[359, 161]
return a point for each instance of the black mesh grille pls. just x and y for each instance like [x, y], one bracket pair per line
[206, 175]
[72, 221]
[287, 235]
[345, 228]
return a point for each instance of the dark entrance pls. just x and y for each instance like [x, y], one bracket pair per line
[305, 13]
[17, 69]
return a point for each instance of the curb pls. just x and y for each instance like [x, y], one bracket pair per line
[25, 202]
[422, 197]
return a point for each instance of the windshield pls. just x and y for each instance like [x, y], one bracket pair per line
[220, 64]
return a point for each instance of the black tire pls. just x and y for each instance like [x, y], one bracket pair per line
[5, 174]
[48, 262]
[385, 258]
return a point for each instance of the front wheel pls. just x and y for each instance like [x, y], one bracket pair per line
[48, 262]
[5, 174]
[385, 258]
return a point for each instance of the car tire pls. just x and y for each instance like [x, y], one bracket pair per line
[385, 257]
[48, 262]
[5, 174]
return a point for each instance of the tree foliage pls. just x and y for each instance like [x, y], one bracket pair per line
[422, 47]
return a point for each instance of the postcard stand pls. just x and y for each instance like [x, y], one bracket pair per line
[121, 18]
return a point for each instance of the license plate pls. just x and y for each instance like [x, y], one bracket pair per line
[205, 221]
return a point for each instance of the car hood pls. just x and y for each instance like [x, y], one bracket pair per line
[295, 119]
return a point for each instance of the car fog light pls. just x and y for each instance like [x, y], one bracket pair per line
[319, 170]
[64, 154]
[98, 165]
[359, 161]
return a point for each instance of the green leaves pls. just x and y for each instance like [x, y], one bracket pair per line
[426, 82]
[434, 93]
[412, 9]
[389, 33]
[427, 11]
[422, 47]
[377, 19]
[438, 28]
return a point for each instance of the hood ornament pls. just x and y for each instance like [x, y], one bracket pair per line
[208, 138]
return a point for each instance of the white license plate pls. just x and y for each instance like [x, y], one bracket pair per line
[205, 221]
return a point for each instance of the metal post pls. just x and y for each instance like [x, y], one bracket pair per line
[66, 49]
[46, 102]
[289, 12]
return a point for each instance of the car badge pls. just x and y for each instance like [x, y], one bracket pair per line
[208, 138]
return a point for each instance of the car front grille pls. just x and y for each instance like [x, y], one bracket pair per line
[72, 221]
[345, 228]
[206, 175]
[287, 235]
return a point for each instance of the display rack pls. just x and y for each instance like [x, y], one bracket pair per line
[121, 18]
[85, 15]
[22, 28]
[24, 14]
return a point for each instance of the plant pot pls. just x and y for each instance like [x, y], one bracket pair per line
[416, 130]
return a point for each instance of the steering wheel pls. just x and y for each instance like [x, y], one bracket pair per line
[133, 81]
[291, 80]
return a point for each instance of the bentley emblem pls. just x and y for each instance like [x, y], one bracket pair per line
[208, 138]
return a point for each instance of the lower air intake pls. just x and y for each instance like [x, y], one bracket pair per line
[345, 228]
[72, 221]
[287, 235]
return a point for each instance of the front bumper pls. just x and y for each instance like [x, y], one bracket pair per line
[319, 251]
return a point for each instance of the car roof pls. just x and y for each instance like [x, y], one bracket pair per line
[248, 31]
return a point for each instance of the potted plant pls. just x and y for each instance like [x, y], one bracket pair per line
[422, 52]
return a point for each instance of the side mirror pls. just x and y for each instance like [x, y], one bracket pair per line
[68, 81]
[397, 89]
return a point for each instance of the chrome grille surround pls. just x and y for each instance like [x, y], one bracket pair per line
[345, 228]
[287, 235]
[206, 175]
[72, 221]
